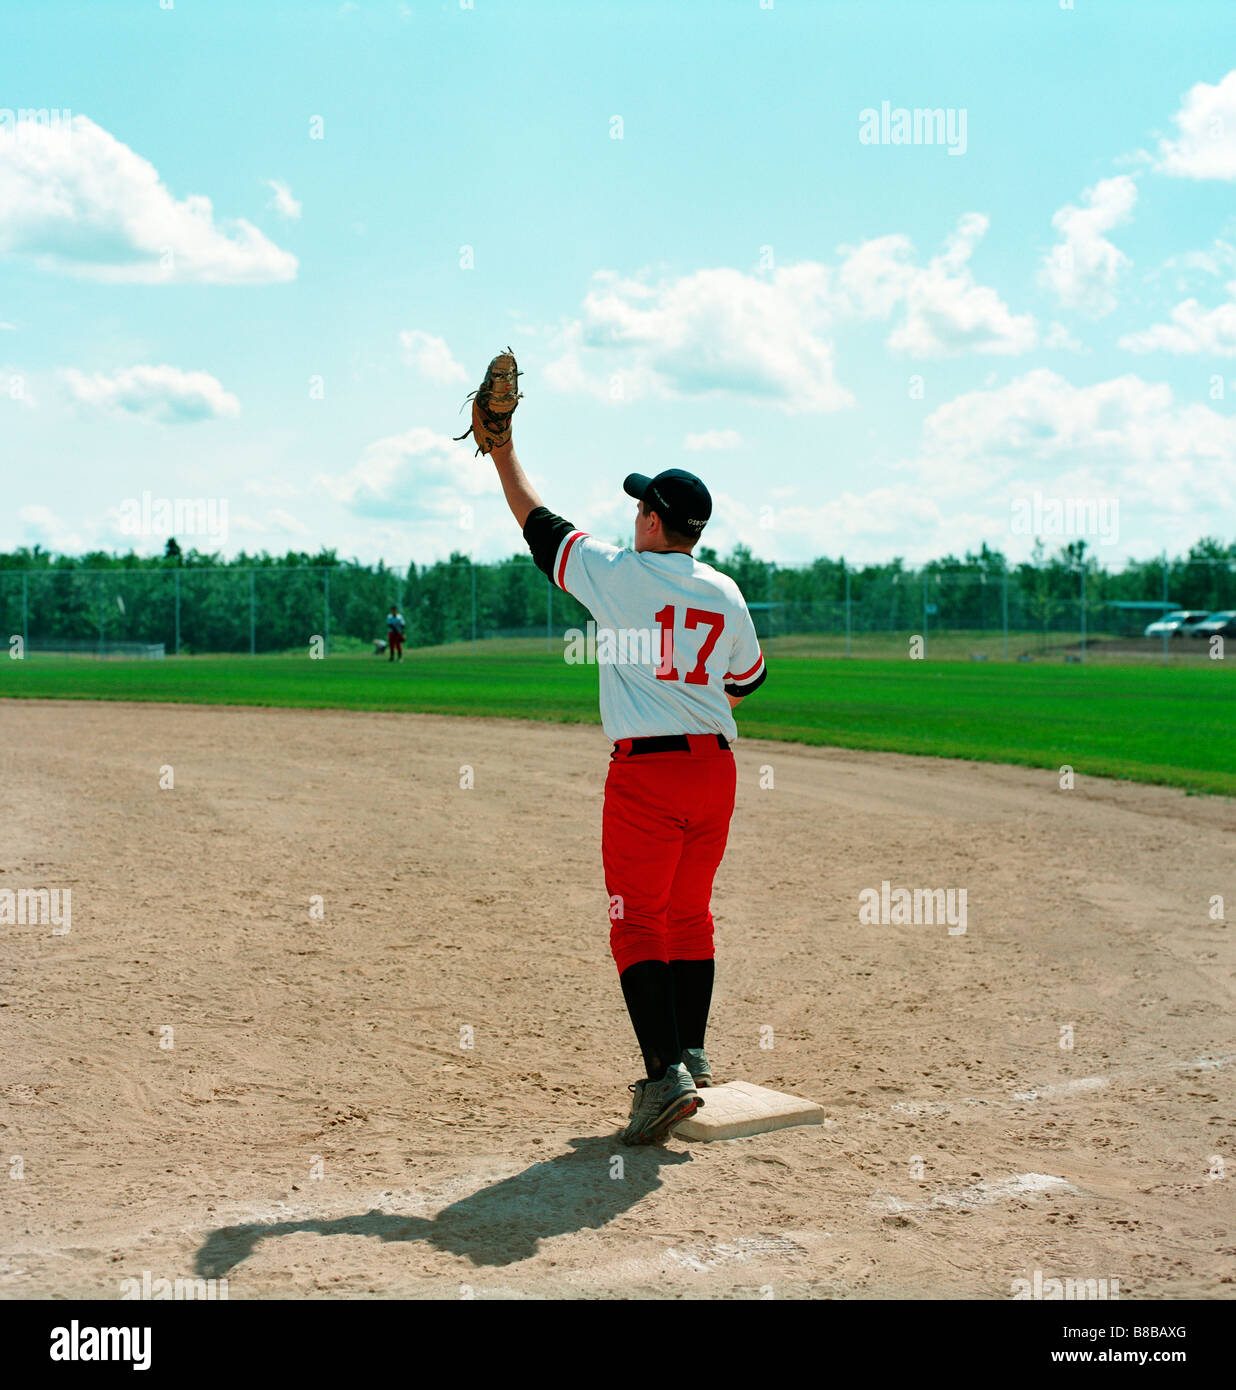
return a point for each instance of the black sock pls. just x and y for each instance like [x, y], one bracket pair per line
[648, 987]
[692, 998]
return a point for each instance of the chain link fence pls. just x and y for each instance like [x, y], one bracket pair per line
[277, 608]
[266, 609]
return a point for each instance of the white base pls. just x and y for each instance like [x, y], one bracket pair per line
[738, 1108]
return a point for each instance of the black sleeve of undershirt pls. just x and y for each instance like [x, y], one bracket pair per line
[544, 532]
[744, 690]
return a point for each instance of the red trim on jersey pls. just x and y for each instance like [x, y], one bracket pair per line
[566, 554]
[746, 675]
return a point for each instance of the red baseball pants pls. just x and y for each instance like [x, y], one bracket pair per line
[663, 834]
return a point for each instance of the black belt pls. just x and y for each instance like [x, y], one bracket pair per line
[667, 743]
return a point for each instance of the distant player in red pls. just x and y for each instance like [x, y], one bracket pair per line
[394, 632]
[669, 794]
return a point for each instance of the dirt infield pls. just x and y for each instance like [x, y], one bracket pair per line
[315, 1127]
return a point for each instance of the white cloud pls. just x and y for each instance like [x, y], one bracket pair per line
[247, 525]
[902, 518]
[431, 357]
[421, 495]
[74, 199]
[1126, 433]
[159, 393]
[1169, 467]
[884, 514]
[1059, 337]
[263, 487]
[1192, 329]
[1205, 143]
[713, 440]
[417, 475]
[771, 337]
[285, 521]
[711, 332]
[943, 311]
[1218, 259]
[282, 201]
[1083, 268]
[41, 526]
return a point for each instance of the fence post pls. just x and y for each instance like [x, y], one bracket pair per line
[1083, 610]
[924, 614]
[846, 568]
[176, 577]
[25, 613]
[1166, 637]
[472, 572]
[549, 614]
[1004, 606]
[252, 614]
[326, 612]
[100, 612]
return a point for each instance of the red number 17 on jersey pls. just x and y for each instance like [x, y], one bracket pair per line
[696, 617]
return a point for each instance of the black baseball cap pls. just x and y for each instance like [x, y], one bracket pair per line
[679, 498]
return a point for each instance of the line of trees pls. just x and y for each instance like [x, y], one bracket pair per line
[279, 602]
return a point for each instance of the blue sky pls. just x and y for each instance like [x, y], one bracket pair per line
[865, 349]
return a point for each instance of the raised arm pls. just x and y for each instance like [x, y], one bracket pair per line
[520, 495]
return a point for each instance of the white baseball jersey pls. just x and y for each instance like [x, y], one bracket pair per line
[672, 637]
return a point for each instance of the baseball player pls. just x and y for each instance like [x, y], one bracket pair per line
[669, 794]
[394, 632]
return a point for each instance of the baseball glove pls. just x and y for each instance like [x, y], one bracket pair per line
[493, 404]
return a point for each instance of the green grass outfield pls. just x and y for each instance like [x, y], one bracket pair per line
[1172, 725]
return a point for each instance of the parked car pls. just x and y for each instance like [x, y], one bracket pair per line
[1177, 624]
[1189, 627]
[1221, 624]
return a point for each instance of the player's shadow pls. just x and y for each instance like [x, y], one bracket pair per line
[499, 1225]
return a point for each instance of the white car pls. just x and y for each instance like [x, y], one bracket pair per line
[1177, 624]
[1221, 624]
